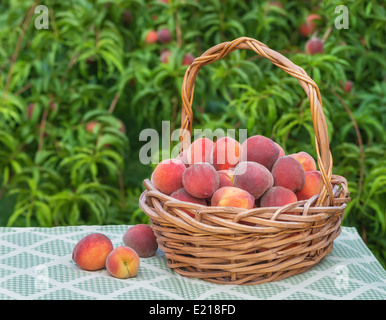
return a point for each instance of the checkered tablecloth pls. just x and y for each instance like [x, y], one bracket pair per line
[36, 263]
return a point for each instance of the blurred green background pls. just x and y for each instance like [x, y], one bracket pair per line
[75, 96]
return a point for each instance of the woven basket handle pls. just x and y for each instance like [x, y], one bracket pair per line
[324, 157]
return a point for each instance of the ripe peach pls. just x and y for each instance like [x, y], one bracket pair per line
[314, 45]
[200, 180]
[187, 59]
[260, 149]
[164, 35]
[167, 175]
[348, 86]
[281, 150]
[165, 55]
[288, 173]
[306, 160]
[225, 153]
[92, 126]
[182, 195]
[123, 262]
[232, 197]
[183, 156]
[151, 37]
[252, 177]
[200, 150]
[311, 186]
[277, 197]
[307, 28]
[313, 16]
[141, 238]
[91, 251]
[226, 178]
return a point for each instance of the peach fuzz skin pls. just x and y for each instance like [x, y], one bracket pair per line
[308, 163]
[167, 175]
[260, 149]
[91, 251]
[281, 150]
[252, 177]
[225, 153]
[226, 178]
[311, 187]
[141, 238]
[200, 180]
[278, 197]
[287, 172]
[232, 197]
[200, 151]
[123, 262]
[183, 156]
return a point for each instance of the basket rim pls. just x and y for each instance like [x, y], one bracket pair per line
[230, 219]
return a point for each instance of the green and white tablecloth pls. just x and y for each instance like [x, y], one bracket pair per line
[36, 263]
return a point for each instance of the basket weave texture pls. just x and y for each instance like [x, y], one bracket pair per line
[238, 246]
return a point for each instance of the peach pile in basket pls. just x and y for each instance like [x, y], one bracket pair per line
[255, 173]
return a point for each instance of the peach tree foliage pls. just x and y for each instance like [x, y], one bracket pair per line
[93, 65]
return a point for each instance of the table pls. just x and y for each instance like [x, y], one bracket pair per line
[36, 264]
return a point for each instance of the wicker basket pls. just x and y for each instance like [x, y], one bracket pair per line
[239, 246]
